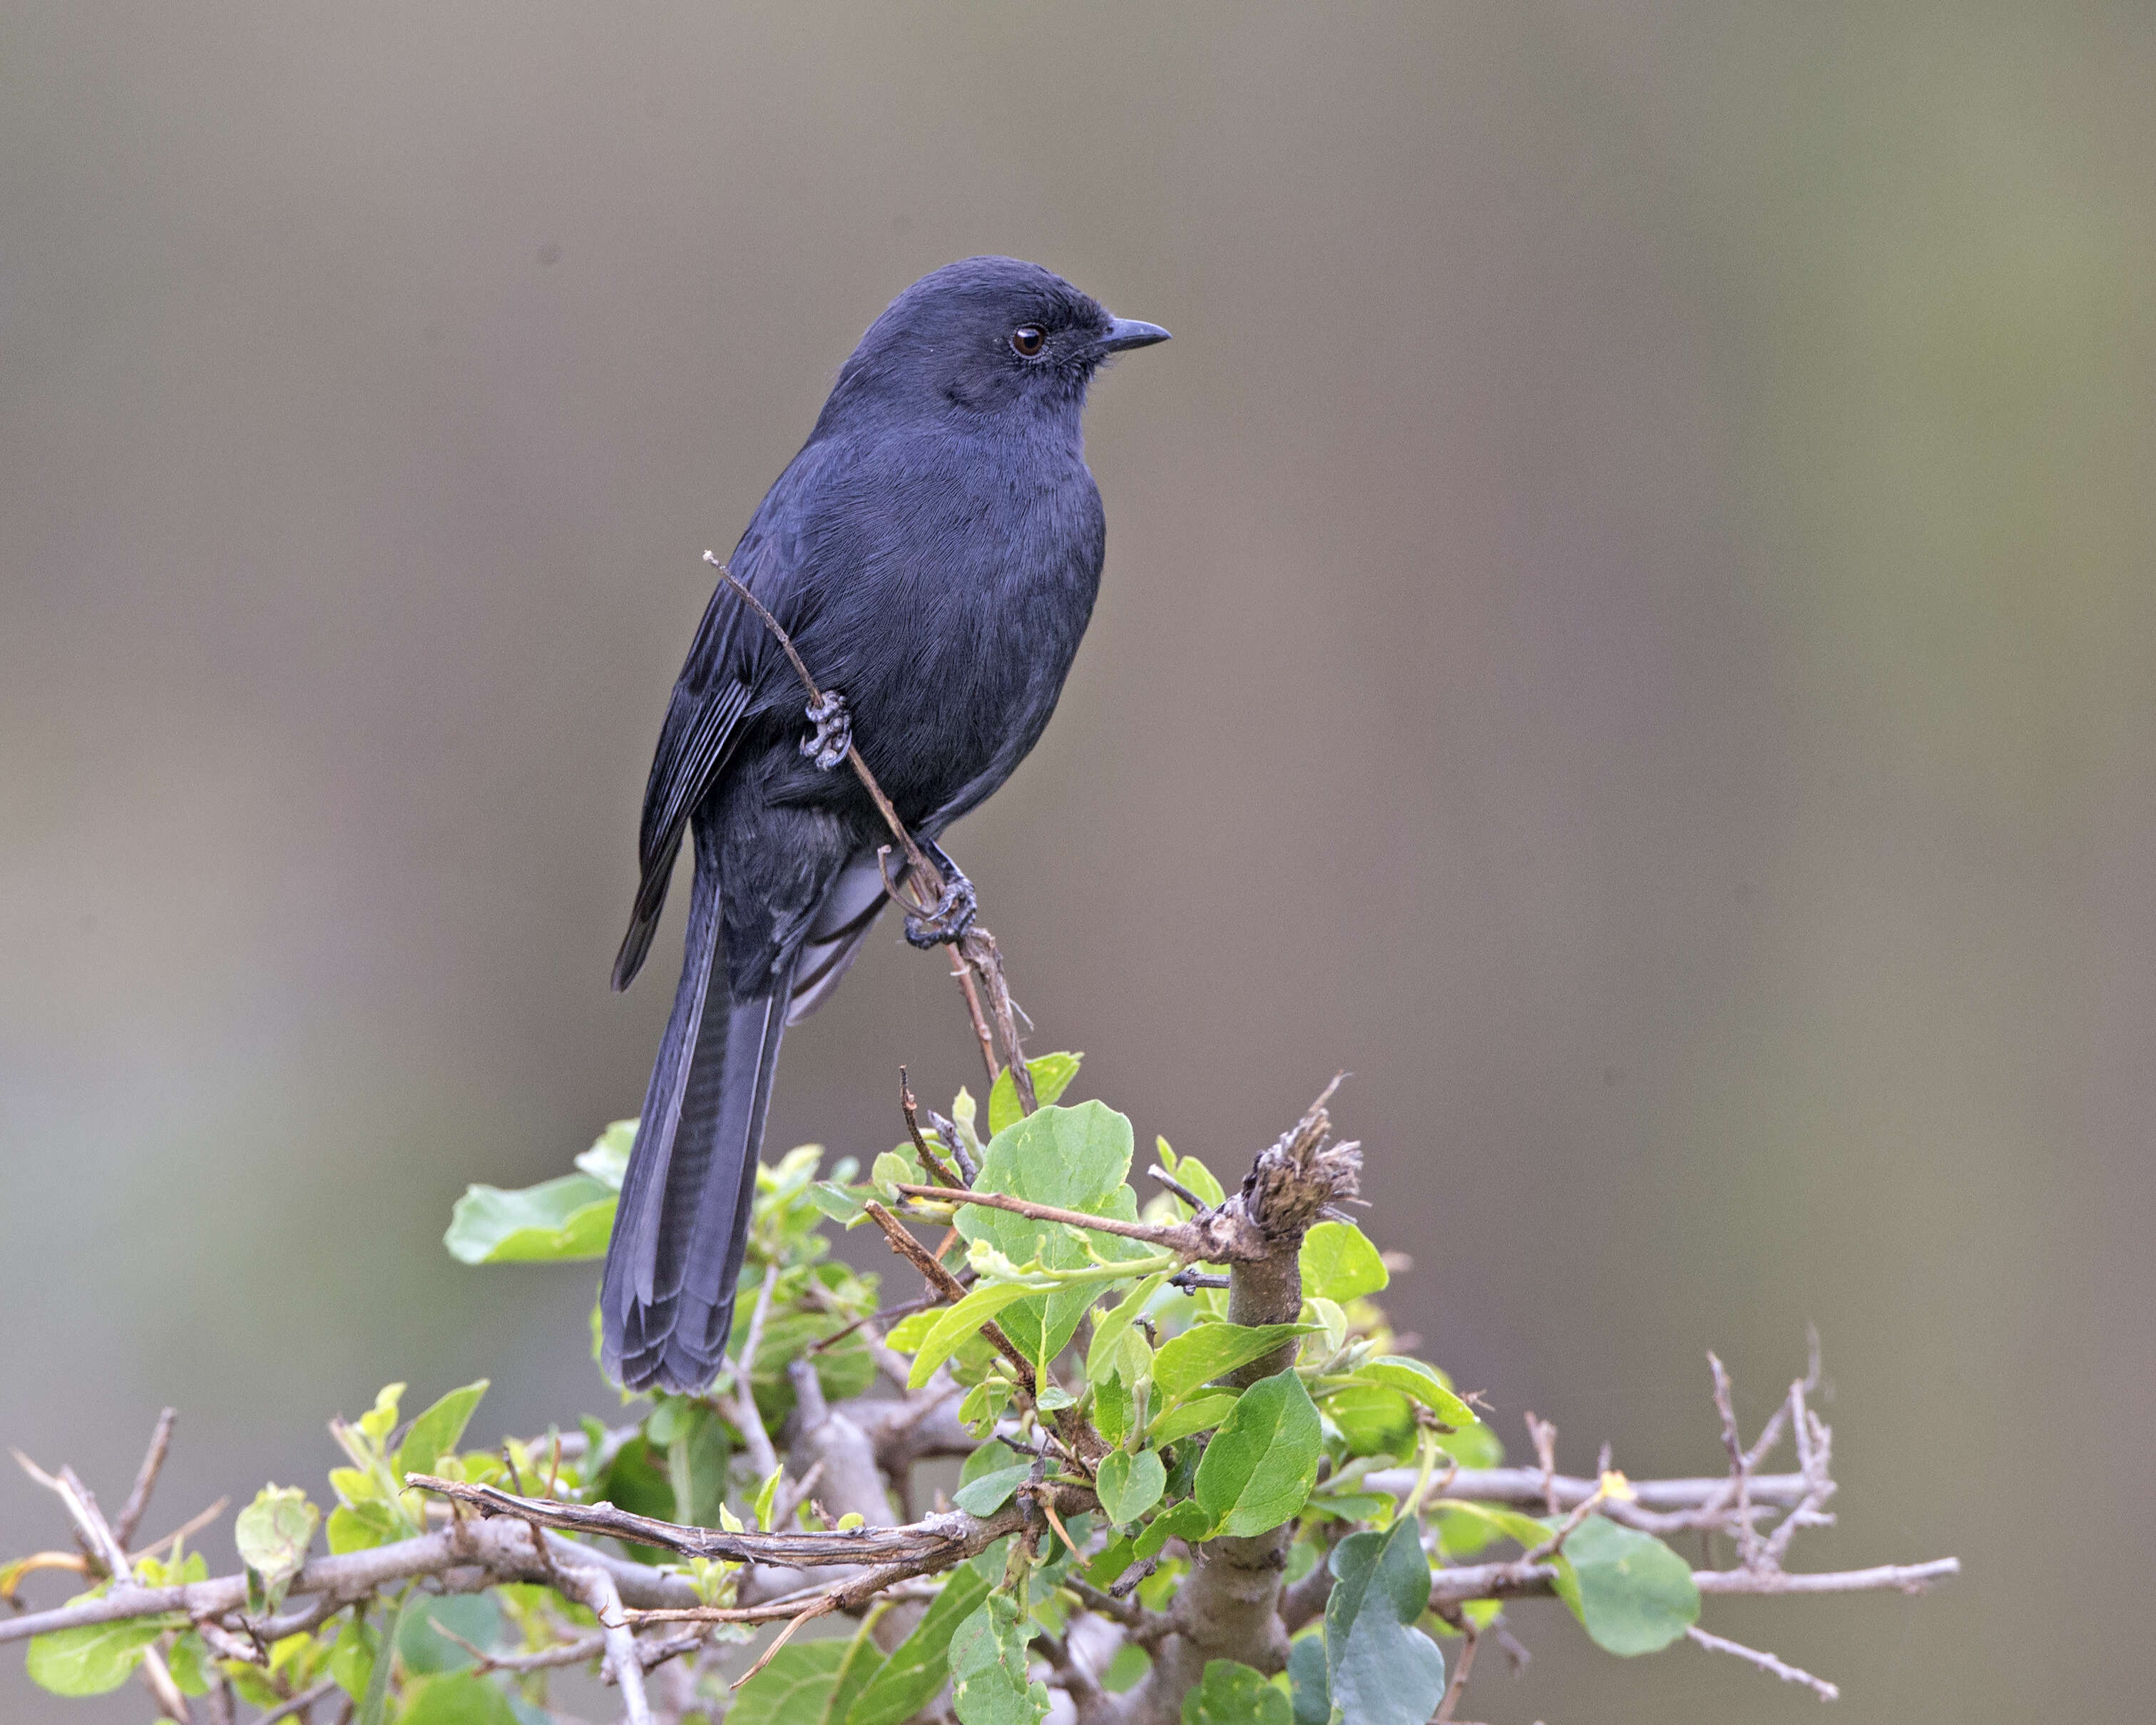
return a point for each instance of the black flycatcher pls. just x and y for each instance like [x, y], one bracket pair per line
[933, 550]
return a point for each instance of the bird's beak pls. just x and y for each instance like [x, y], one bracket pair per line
[1124, 332]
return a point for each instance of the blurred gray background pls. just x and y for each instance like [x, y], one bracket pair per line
[1628, 624]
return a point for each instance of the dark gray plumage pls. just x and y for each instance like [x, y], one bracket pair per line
[934, 550]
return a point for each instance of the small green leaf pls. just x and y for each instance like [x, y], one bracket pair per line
[955, 1324]
[920, 1664]
[1110, 1327]
[1205, 1351]
[1375, 1421]
[93, 1658]
[562, 1221]
[1258, 1469]
[1339, 1263]
[892, 1169]
[1421, 1383]
[1200, 1412]
[989, 1492]
[1178, 1521]
[607, 1160]
[1051, 1075]
[273, 1534]
[910, 1331]
[837, 1202]
[435, 1433]
[988, 1684]
[1232, 1693]
[425, 1651]
[1112, 1560]
[1130, 1484]
[1630, 1591]
[359, 1527]
[1379, 1669]
[1113, 1409]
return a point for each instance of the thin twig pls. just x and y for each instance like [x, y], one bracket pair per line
[780, 1639]
[299, 1703]
[1459, 1672]
[187, 1530]
[1170, 1236]
[146, 1479]
[1766, 1662]
[911, 1108]
[763, 1456]
[948, 1285]
[595, 1589]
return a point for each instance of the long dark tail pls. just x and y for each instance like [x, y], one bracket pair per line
[666, 1301]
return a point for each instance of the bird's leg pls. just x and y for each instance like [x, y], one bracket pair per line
[953, 914]
[834, 735]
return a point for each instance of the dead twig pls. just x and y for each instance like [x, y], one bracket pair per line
[1766, 1662]
[146, 1479]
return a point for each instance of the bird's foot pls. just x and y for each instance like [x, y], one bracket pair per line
[834, 735]
[952, 917]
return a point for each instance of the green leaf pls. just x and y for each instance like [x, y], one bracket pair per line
[989, 1492]
[1231, 1693]
[1130, 1484]
[1201, 1412]
[1306, 1676]
[607, 1160]
[910, 1331]
[1375, 1421]
[837, 1202]
[1339, 1263]
[1110, 1327]
[1205, 1351]
[1258, 1469]
[798, 1686]
[458, 1698]
[93, 1658]
[561, 1221]
[1419, 1383]
[988, 1684]
[1051, 1076]
[435, 1434]
[954, 1325]
[1073, 1158]
[1112, 1560]
[920, 1664]
[1113, 1409]
[894, 1168]
[1178, 1521]
[1380, 1670]
[1630, 1591]
[359, 1527]
[273, 1534]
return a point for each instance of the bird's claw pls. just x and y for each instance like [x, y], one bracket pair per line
[834, 735]
[953, 917]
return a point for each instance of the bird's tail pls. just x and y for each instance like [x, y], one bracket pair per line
[666, 1300]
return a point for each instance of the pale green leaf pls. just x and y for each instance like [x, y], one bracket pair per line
[1339, 1263]
[607, 1160]
[273, 1534]
[988, 1684]
[92, 1658]
[1051, 1075]
[435, 1433]
[1419, 1383]
[562, 1221]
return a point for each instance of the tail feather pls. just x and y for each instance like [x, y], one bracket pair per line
[666, 1300]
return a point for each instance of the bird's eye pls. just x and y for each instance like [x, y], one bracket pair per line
[1027, 339]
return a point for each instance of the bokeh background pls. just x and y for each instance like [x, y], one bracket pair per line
[1628, 624]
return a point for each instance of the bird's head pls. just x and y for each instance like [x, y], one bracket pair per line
[986, 336]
